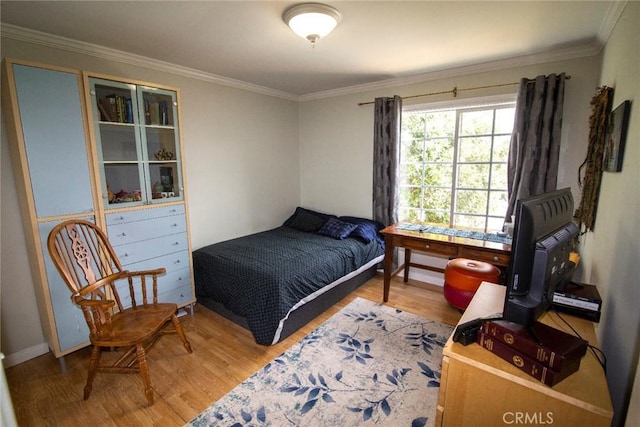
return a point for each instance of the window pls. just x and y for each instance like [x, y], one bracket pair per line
[453, 165]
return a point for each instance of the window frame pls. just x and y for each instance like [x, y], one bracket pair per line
[469, 104]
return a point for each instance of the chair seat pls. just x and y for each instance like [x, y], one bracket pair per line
[134, 325]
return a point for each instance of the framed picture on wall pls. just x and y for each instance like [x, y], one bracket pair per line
[616, 137]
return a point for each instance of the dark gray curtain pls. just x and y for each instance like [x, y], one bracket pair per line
[535, 142]
[386, 158]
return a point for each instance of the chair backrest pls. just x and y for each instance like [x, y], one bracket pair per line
[84, 257]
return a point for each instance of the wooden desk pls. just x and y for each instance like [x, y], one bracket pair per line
[479, 388]
[494, 253]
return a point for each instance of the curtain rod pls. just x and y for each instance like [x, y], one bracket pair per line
[454, 91]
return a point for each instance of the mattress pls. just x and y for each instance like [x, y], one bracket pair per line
[263, 277]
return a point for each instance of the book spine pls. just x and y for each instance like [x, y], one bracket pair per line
[521, 361]
[537, 352]
[108, 109]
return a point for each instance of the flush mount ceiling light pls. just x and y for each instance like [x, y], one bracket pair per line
[312, 21]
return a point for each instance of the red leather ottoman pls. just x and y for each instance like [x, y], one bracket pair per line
[462, 277]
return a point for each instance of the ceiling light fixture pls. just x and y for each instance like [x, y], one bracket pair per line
[312, 21]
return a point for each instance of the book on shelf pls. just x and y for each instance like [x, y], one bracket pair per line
[147, 113]
[164, 113]
[118, 108]
[579, 295]
[154, 113]
[108, 110]
[550, 346]
[526, 364]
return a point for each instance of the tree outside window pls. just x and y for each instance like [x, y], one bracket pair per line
[453, 166]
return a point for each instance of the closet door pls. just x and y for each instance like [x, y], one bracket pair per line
[50, 153]
[50, 110]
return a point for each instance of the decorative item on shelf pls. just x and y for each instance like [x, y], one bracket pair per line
[166, 178]
[157, 190]
[164, 155]
[123, 197]
[110, 195]
[126, 197]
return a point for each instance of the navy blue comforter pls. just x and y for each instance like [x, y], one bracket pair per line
[263, 275]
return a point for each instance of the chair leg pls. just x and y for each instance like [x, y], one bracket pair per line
[93, 369]
[144, 372]
[178, 327]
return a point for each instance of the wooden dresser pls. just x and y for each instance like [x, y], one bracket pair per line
[479, 388]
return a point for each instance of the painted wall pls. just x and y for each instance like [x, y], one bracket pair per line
[336, 136]
[613, 249]
[242, 176]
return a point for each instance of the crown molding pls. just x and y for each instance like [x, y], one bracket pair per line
[610, 20]
[574, 52]
[44, 39]
[76, 46]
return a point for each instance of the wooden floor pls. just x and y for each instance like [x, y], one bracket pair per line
[224, 355]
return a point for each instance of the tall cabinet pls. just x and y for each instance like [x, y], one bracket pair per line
[73, 158]
[134, 128]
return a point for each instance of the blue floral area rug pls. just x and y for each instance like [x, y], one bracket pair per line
[369, 364]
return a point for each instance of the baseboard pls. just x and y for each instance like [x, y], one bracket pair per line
[425, 276]
[26, 354]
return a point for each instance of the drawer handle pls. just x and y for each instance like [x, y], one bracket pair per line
[176, 244]
[495, 258]
[126, 255]
[123, 234]
[179, 279]
[427, 246]
[174, 225]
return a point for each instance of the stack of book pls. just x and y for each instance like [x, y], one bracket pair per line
[550, 356]
[580, 300]
[116, 108]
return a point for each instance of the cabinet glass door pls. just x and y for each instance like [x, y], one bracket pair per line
[161, 148]
[115, 114]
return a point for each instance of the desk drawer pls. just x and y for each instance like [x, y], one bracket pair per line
[429, 246]
[494, 258]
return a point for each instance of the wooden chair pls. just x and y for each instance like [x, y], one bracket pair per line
[84, 257]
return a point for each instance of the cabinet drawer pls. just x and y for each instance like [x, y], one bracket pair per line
[144, 214]
[483, 255]
[152, 248]
[181, 296]
[125, 233]
[434, 247]
[171, 262]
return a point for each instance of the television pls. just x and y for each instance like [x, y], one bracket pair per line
[544, 236]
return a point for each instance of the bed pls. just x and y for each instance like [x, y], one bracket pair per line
[274, 282]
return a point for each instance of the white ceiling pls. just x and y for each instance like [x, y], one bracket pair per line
[377, 41]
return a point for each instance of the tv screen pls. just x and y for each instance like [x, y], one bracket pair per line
[544, 236]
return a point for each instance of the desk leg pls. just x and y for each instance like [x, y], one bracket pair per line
[388, 265]
[407, 263]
